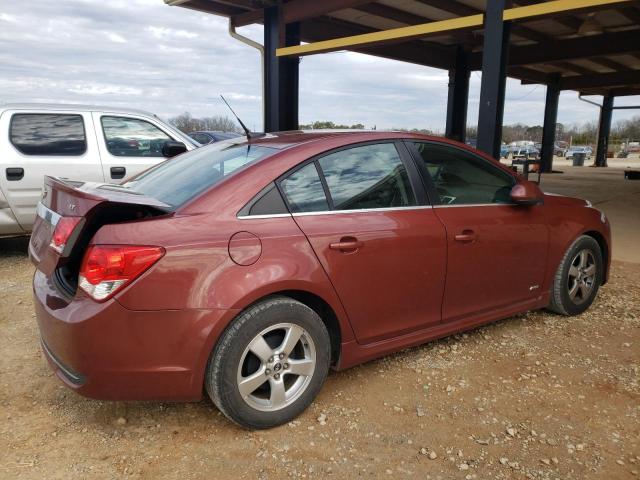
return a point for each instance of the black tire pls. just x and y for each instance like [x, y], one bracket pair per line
[221, 378]
[562, 301]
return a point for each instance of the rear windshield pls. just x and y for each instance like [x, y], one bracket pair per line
[178, 180]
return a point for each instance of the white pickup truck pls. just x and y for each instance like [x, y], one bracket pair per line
[77, 142]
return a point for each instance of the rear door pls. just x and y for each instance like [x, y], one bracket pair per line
[56, 143]
[497, 250]
[129, 144]
[365, 213]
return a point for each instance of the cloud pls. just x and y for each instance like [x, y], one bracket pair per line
[168, 60]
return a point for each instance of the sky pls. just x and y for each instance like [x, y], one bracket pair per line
[169, 60]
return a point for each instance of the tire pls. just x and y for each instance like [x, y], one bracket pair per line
[249, 350]
[578, 277]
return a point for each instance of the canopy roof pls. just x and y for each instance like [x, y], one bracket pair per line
[592, 46]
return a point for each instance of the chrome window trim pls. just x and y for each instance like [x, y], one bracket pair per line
[47, 214]
[363, 210]
[267, 215]
[334, 212]
[477, 205]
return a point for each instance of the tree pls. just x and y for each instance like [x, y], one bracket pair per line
[186, 123]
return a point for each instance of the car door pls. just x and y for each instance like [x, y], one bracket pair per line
[39, 143]
[496, 250]
[365, 214]
[129, 144]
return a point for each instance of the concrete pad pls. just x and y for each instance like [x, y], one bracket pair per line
[607, 189]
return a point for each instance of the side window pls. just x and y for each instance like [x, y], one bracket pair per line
[462, 178]
[48, 134]
[267, 202]
[368, 176]
[131, 137]
[201, 138]
[303, 190]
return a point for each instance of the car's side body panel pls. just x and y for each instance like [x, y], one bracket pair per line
[505, 263]
[167, 322]
[394, 283]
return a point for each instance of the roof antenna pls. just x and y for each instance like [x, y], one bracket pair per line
[244, 127]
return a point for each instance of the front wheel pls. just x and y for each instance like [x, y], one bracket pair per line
[269, 364]
[578, 277]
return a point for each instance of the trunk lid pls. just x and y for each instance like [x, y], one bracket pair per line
[89, 204]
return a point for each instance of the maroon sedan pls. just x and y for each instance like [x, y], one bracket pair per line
[247, 269]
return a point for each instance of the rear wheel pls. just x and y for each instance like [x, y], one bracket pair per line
[578, 277]
[269, 364]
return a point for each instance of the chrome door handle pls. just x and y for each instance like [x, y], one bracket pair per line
[347, 244]
[467, 236]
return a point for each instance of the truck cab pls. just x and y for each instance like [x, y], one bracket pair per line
[77, 142]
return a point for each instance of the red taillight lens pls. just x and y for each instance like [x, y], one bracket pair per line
[108, 268]
[64, 229]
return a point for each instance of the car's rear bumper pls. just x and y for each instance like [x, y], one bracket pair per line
[106, 351]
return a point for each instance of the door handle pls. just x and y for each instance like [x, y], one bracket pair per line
[347, 244]
[467, 236]
[14, 174]
[118, 172]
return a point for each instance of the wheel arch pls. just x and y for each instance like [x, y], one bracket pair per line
[604, 249]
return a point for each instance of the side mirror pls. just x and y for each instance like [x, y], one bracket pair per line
[172, 148]
[526, 193]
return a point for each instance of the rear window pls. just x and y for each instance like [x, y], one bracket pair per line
[48, 134]
[180, 179]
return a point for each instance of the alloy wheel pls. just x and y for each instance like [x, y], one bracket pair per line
[582, 276]
[276, 367]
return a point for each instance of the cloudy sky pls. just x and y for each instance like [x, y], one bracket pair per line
[168, 60]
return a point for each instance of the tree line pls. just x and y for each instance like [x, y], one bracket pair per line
[577, 134]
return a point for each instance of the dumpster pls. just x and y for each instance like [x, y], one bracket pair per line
[578, 159]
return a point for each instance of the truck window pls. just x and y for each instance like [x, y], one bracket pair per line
[132, 137]
[48, 134]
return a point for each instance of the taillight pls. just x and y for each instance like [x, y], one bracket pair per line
[62, 232]
[108, 268]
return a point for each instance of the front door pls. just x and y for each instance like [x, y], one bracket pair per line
[382, 248]
[496, 250]
[128, 145]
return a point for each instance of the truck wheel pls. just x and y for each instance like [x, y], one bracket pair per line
[269, 364]
[578, 277]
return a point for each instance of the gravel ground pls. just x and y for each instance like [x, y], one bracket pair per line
[536, 396]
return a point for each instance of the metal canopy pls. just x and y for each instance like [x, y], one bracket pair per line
[591, 46]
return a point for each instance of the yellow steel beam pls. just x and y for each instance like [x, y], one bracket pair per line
[443, 26]
[402, 33]
[555, 6]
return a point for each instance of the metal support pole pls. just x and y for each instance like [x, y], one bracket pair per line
[271, 70]
[289, 81]
[280, 74]
[604, 130]
[549, 128]
[458, 98]
[494, 61]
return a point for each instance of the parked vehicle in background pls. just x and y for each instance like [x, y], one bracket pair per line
[246, 269]
[88, 143]
[579, 149]
[560, 149]
[205, 137]
[504, 151]
[528, 152]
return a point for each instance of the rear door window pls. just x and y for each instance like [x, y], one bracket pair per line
[132, 137]
[367, 177]
[303, 190]
[48, 134]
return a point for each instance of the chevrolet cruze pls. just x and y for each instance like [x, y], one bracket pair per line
[246, 269]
